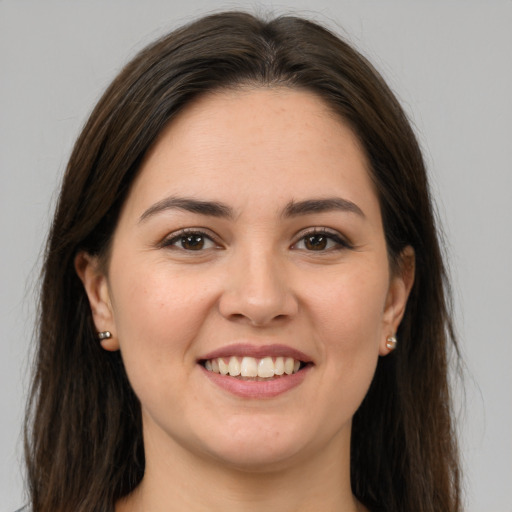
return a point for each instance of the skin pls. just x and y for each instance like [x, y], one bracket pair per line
[256, 280]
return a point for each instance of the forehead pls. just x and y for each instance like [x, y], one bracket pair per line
[247, 146]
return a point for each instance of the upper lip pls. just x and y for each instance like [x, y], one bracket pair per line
[257, 351]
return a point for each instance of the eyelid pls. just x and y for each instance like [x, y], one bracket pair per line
[171, 238]
[340, 239]
[334, 235]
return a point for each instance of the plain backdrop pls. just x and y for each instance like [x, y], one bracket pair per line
[450, 64]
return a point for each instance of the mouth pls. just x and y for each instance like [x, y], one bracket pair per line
[254, 368]
[255, 371]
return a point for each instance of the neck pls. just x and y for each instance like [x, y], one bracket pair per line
[178, 480]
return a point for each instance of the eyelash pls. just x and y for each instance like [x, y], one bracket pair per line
[181, 235]
[340, 243]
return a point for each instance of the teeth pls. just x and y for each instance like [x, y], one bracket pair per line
[249, 367]
[223, 367]
[233, 367]
[264, 368]
[288, 366]
[279, 366]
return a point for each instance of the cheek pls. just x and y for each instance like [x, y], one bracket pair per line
[158, 314]
[349, 305]
[349, 319]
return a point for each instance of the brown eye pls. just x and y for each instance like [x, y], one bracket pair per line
[193, 242]
[315, 242]
[321, 241]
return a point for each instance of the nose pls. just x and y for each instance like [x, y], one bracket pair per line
[258, 291]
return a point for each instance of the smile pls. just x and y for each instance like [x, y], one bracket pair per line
[253, 368]
[256, 371]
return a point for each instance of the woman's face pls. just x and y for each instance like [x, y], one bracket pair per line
[251, 241]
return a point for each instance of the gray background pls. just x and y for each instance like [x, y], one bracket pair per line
[450, 64]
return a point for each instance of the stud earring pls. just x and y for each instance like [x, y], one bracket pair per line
[391, 342]
[104, 335]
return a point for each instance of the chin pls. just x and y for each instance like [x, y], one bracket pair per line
[264, 446]
[257, 459]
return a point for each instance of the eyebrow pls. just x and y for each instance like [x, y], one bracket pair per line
[296, 208]
[217, 209]
[211, 208]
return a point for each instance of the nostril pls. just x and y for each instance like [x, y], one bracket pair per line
[237, 317]
[257, 296]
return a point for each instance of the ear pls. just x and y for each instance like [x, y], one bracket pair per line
[399, 288]
[96, 287]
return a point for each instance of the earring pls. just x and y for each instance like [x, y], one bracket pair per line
[391, 342]
[104, 335]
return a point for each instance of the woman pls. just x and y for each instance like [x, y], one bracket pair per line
[243, 302]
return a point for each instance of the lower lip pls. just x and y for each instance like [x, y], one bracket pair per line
[257, 389]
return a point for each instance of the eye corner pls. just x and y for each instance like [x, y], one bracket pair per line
[191, 240]
[321, 240]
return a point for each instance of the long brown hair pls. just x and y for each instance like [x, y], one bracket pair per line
[84, 446]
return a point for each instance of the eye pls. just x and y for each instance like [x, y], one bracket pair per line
[320, 240]
[190, 241]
